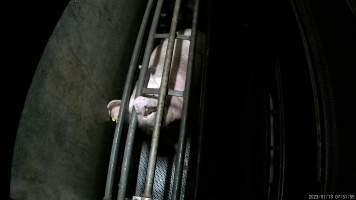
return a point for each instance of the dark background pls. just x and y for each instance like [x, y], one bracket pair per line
[244, 36]
[26, 28]
[238, 30]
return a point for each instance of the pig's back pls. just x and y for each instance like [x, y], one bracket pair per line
[179, 64]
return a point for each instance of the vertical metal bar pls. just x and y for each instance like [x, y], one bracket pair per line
[271, 146]
[162, 96]
[201, 132]
[281, 130]
[203, 94]
[126, 161]
[185, 171]
[133, 119]
[125, 99]
[316, 95]
[182, 130]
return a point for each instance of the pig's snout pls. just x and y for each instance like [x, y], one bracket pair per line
[145, 106]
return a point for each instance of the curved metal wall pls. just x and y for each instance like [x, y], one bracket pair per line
[64, 137]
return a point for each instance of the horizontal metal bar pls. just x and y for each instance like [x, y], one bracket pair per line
[161, 35]
[140, 198]
[183, 37]
[166, 35]
[171, 92]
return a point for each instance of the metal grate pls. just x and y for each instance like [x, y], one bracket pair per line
[158, 177]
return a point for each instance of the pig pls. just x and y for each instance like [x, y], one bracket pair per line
[146, 106]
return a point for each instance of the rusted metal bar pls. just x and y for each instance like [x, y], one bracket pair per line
[156, 91]
[183, 125]
[133, 118]
[124, 101]
[161, 35]
[183, 37]
[162, 96]
[166, 35]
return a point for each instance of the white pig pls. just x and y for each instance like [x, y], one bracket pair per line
[146, 106]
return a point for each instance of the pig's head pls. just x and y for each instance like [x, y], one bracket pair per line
[146, 110]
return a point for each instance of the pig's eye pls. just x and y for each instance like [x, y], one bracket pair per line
[149, 110]
[152, 69]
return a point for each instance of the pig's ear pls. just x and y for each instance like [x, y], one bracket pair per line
[112, 105]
